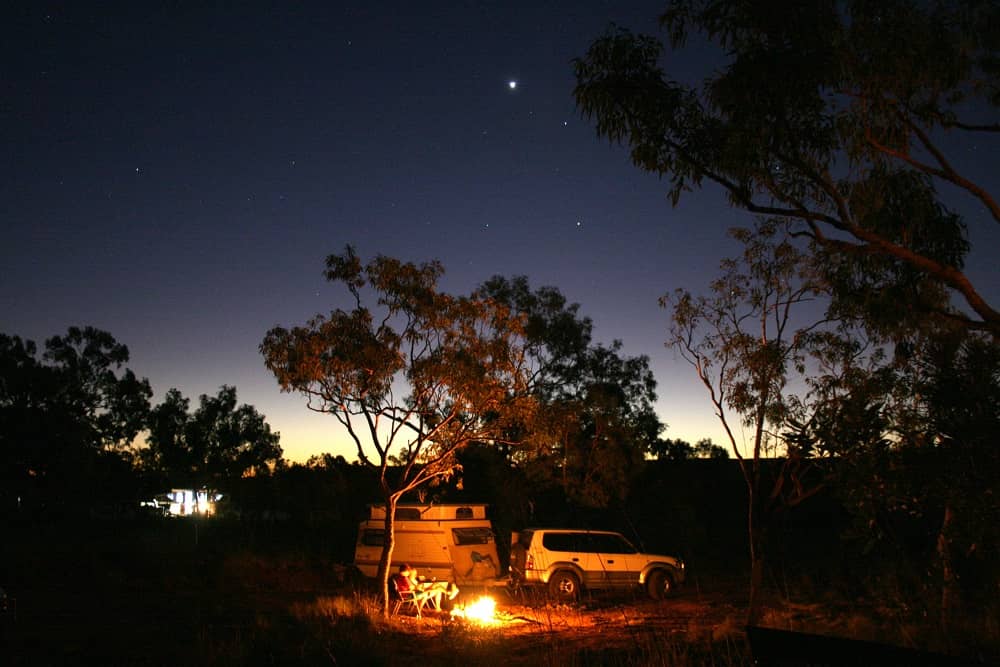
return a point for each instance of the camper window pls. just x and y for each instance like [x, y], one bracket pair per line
[373, 538]
[463, 513]
[407, 514]
[472, 535]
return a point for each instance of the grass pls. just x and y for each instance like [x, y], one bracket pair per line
[350, 629]
[556, 635]
[162, 597]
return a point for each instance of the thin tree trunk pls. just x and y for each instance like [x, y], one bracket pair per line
[949, 589]
[387, 547]
[757, 553]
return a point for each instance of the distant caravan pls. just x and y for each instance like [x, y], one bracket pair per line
[445, 542]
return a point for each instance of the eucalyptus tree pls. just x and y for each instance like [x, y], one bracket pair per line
[745, 341]
[957, 395]
[412, 374]
[106, 402]
[596, 417]
[215, 445]
[836, 116]
[932, 469]
[68, 417]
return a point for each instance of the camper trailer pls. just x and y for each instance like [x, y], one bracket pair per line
[446, 542]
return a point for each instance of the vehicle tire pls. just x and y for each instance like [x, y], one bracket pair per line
[564, 586]
[659, 584]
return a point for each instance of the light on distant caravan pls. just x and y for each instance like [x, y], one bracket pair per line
[185, 502]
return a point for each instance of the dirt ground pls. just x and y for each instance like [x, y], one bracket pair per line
[692, 627]
[600, 624]
[695, 626]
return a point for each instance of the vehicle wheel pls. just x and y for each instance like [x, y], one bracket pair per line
[564, 586]
[659, 584]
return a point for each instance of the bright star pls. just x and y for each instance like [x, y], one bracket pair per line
[512, 84]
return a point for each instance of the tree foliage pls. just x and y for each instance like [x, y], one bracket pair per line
[68, 418]
[831, 115]
[596, 420]
[676, 449]
[106, 403]
[213, 446]
[412, 378]
[918, 440]
[745, 341]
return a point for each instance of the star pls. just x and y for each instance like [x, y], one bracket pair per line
[512, 84]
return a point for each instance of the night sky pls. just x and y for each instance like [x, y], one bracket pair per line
[176, 176]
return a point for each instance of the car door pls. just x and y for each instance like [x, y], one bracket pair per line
[575, 548]
[619, 560]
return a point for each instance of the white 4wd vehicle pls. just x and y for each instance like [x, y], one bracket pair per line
[569, 560]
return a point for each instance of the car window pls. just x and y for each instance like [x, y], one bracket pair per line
[609, 543]
[585, 543]
[561, 541]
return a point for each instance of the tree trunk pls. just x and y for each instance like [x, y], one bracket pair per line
[385, 560]
[756, 583]
[756, 535]
[949, 587]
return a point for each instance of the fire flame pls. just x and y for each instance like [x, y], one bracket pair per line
[481, 611]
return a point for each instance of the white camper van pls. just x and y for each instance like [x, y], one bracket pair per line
[446, 542]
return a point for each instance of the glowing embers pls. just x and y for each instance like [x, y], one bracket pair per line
[482, 611]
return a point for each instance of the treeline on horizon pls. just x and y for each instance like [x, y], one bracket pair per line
[693, 508]
[70, 418]
[79, 435]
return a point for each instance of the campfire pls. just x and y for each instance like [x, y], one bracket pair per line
[481, 611]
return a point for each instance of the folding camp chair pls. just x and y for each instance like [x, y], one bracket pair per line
[407, 596]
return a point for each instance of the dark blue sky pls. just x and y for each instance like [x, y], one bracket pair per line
[176, 175]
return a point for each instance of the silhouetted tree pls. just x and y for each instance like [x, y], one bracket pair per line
[679, 450]
[596, 420]
[675, 449]
[26, 390]
[68, 420]
[706, 449]
[830, 115]
[327, 487]
[958, 383]
[213, 446]
[168, 453]
[743, 342]
[915, 438]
